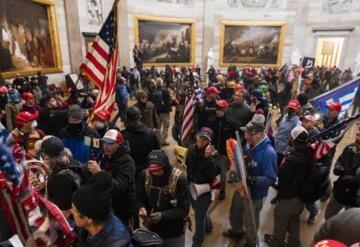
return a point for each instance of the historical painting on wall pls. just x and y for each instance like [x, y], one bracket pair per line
[28, 44]
[165, 41]
[252, 43]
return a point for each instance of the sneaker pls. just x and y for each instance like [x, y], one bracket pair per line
[230, 233]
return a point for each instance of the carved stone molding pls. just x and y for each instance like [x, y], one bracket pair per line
[94, 12]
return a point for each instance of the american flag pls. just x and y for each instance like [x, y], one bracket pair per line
[101, 62]
[26, 212]
[329, 138]
[188, 116]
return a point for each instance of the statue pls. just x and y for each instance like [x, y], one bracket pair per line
[357, 65]
[295, 57]
[210, 61]
[94, 12]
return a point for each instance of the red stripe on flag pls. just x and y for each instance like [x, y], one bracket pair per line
[87, 71]
[101, 51]
[96, 63]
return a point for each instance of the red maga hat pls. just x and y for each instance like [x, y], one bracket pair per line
[335, 106]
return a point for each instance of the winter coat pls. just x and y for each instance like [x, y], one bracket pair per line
[262, 164]
[174, 207]
[283, 133]
[200, 170]
[122, 168]
[142, 141]
[11, 111]
[51, 121]
[239, 115]
[160, 97]
[293, 171]
[76, 142]
[122, 95]
[205, 113]
[149, 115]
[223, 130]
[35, 109]
[113, 234]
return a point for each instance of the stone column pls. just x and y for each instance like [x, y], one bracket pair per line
[123, 34]
[74, 34]
[208, 31]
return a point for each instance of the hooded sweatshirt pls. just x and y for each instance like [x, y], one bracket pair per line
[262, 164]
[142, 141]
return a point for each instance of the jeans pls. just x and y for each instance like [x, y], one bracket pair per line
[174, 242]
[133, 90]
[240, 217]
[202, 219]
[286, 219]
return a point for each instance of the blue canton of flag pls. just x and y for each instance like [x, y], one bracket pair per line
[107, 31]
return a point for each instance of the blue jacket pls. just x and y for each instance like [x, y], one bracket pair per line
[121, 95]
[262, 164]
[114, 234]
[283, 133]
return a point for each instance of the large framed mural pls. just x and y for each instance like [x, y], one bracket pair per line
[165, 40]
[28, 44]
[252, 43]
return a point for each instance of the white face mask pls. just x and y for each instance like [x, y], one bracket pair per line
[99, 125]
[34, 125]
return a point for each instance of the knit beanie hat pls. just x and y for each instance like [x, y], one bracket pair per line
[94, 198]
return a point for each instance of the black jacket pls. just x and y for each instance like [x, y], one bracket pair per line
[160, 97]
[223, 130]
[174, 208]
[51, 121]
[348, 162]
[200, 170]
[142, 141]
[294, 170]
[122, 168]
[205, 113]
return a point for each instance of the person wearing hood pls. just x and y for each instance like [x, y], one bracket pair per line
[261, 165]
[29, 104]
[12, 108]
[92, 212]
[164, 199]
[117, 161]
[142, 139]
[207, 110]
[293, 173]
[202, 169]
[77, 135]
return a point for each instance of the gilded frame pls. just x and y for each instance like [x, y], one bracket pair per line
[55, 44]
[190, 22]
[224, 24]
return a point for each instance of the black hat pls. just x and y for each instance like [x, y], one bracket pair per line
[76, 112]
[158, 156]
[94, 198]
[52, 146]
[133, 114]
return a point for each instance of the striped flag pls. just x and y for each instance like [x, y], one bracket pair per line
[188, 116]
[26, 212]
[329, 138]
[101, 62]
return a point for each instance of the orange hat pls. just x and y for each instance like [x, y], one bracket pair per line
[27, 96]
[222, 103]
[294, 104]
[25, 117]
[336, 106]
[212, 90]
[103, 115]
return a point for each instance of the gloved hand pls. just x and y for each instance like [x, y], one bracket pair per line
[251, 180]
[155, 217]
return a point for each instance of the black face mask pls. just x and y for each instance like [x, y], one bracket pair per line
[76, 128]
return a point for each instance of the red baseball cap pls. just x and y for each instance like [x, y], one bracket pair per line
[3, 90]
[336, 106]
[329, 243]
[239, 87]
[294, 104]
[27, 96]
[113, 136]
[212, 90]
[103, 115]
[308, 118]
[25, 117]
[222, 103]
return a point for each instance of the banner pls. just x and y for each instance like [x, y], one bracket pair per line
[308, 62]
[343, 94]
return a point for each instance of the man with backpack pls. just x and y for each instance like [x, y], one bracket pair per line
[163, 198]
[292, 176]
[346, 186]
[160, 97]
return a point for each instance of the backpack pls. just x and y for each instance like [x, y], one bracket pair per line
[315, 184]
[170, 188]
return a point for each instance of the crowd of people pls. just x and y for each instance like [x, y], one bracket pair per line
[109, 179]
